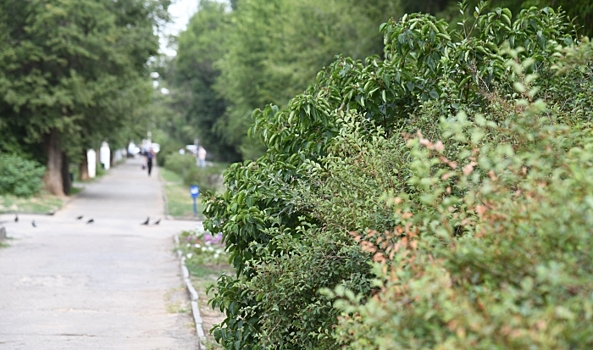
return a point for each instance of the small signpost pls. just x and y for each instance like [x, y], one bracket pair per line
[195, 193]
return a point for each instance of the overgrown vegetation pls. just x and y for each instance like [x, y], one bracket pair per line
[179, 202]
[19, 176]
[492, 248]
[231, 61]
[453, 164]
[208, 178]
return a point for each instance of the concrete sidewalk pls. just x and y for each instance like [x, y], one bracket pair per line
[110, 284]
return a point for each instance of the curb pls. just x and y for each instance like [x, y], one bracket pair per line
[193, 297]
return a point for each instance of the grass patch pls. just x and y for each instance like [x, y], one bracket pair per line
[75, 190]
[42, 203]
[176, 301]
[206, 272]
[179, 202]
[3, 245]
[170, 176]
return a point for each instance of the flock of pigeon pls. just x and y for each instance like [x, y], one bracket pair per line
[90, 221]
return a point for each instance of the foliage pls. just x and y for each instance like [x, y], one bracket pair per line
[209, 179]
[293, 314]
[181, 164]
[229, 63]
[200, 46]
[492, 249]
[179, 203]
[337, 149]
[19, 176]
[73, 74]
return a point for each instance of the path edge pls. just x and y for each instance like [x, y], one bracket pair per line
[193, 296]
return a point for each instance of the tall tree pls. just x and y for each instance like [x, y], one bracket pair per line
[69, 69]
[201, 45]
[275, 48]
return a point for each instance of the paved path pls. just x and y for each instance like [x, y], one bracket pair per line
[111, 284]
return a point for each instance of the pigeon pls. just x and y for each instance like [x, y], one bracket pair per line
[158, 222]
[90, 221]
[16, 218]
[79, 217]
[146, 222]
[33, 223]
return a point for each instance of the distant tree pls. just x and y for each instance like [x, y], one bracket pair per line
[200, 46]
[275, 49]
[72, 73]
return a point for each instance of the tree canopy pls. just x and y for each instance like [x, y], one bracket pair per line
[73, 73]
[232, 60]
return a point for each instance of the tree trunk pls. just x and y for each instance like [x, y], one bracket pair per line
[53, 173]
[66, 180]
[84, 167]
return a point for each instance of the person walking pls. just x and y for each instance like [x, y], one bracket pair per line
[149, 159]
[202, 157]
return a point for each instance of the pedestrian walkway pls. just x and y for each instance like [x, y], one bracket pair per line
[109, 284]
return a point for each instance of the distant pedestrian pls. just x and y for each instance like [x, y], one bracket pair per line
[149, 158]
[201, 157]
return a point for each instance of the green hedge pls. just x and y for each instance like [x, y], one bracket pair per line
[492, 248]
[19, 176]
[180, 164]
[208, 178]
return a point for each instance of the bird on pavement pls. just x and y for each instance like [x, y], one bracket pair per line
[158, 222]
[146, 222]
[33, 223]
[79, 217]
[90, 221]
[16, 218]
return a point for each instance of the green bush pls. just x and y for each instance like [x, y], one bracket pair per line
[19, 176]
[208, 178]
[493, 245]
[341, 149]
[180, 164]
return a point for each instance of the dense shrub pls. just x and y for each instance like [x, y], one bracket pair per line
[208, 178]
[180, 164]
[19, 176]
[493, 247]
[341, 149]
